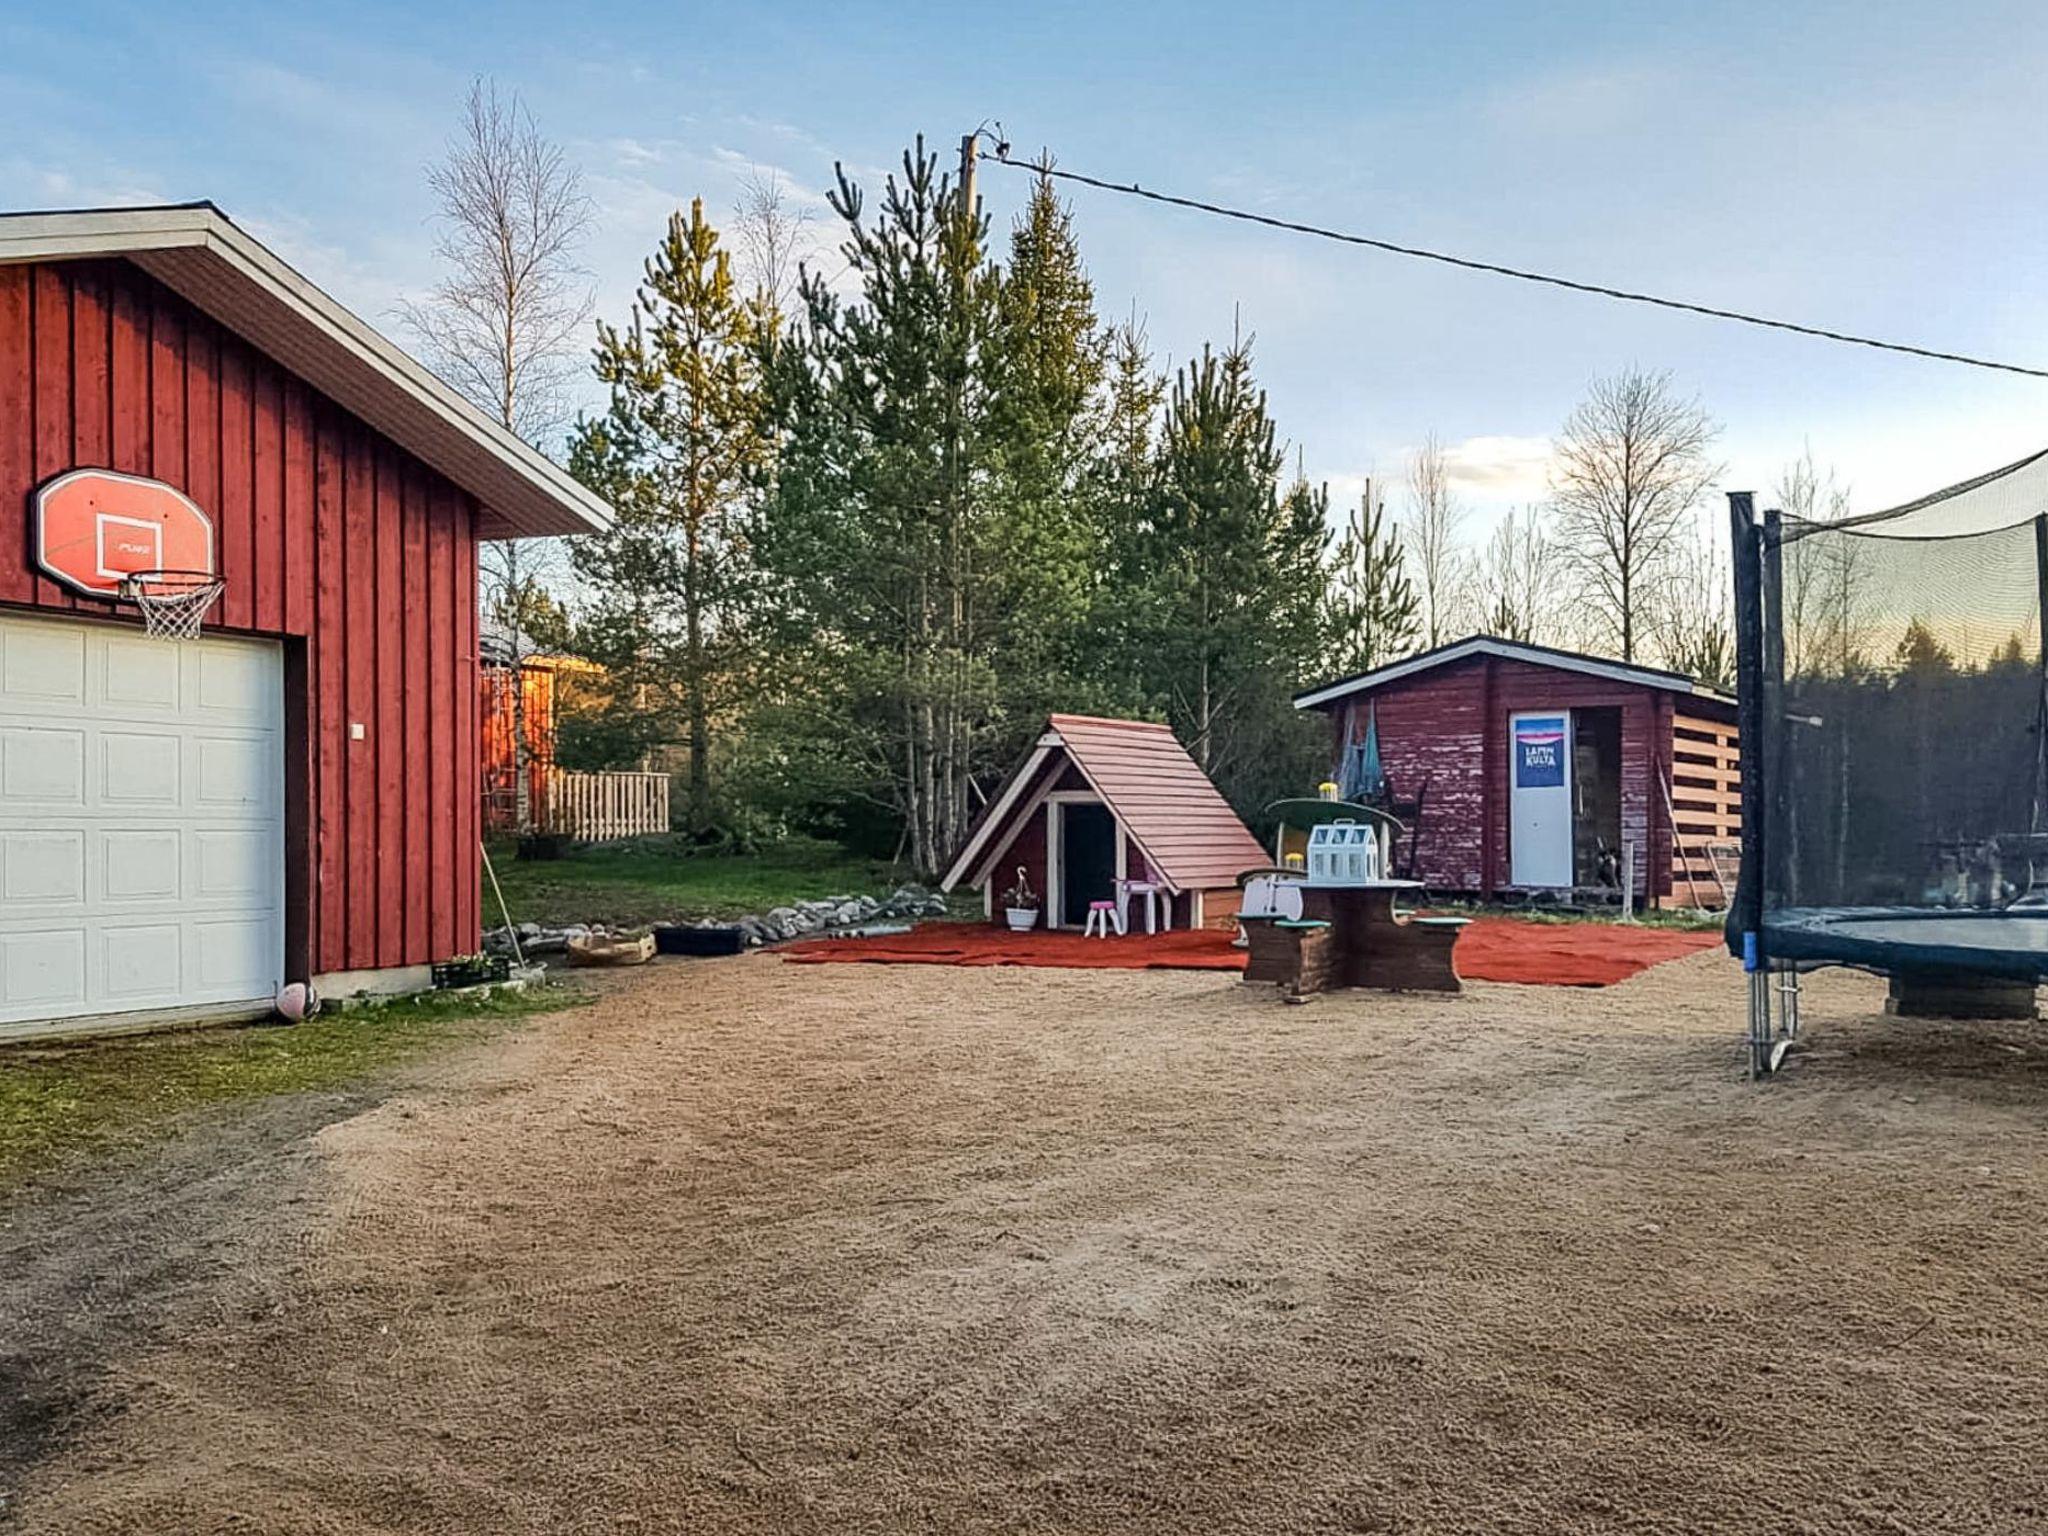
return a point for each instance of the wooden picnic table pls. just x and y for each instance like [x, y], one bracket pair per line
[1351, 936]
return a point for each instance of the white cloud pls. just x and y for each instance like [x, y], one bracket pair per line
[1501, 468]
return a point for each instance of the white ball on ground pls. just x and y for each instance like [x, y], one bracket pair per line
[297, 1000]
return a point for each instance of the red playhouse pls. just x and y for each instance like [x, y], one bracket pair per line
[192, 434]
[1522, 769]
[1109, 810]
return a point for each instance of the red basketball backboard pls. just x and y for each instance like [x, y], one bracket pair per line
[95, 526]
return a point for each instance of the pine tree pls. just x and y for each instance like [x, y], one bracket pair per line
[1374, 613]
[675, 453]
[878, 529]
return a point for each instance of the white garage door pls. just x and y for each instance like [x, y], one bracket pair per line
[141, 821]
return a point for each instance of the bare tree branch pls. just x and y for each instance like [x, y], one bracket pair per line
[1630, 466]
[1442, 569]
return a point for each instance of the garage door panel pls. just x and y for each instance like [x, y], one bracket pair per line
[141, 821]
[42, 973]
[42, 868]
[142, 963]
[229, 866]
[140, 768]
[231, 956]
[42, 766]
[141, 864]
[234, 774]
[233, 683]
[41, 663]
[139, 674]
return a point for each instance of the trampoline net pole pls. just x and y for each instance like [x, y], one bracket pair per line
[1745, 912]
[2040, 805]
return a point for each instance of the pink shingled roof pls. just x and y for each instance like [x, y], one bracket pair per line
[1163, 798]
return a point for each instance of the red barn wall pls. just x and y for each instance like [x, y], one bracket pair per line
[330, 537]
[1449, 726]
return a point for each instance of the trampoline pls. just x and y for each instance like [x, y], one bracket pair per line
[1893, 702]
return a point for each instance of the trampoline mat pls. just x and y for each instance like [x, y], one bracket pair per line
[2013, 942]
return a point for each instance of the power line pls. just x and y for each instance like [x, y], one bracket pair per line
[1600, 290]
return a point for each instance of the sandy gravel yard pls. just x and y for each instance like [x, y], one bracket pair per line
[749, 1246]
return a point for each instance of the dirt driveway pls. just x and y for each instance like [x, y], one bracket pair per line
[748, 1246]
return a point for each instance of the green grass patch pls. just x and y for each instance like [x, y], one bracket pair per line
[661, 881]
[70, 1099]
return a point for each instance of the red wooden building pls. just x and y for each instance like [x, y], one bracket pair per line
[184, 825]
[1097, 801]
[1534, 767]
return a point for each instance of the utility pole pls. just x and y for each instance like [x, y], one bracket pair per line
[967, 169]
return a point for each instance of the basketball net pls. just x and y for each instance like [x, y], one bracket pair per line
[171, 602]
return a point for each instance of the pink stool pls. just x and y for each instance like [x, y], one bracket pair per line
[1101, 915]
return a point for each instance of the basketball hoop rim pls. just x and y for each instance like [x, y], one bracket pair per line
[140, 586]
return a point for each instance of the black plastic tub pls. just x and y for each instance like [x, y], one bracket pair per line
[474, 971]
[676, 939]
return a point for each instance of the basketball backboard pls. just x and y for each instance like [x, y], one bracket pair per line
[96, 526]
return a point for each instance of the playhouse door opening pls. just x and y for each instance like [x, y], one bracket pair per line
[1087, 859]
[1596, 791]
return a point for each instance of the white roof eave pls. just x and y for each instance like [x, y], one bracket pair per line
[220, 269]
[1483, 645]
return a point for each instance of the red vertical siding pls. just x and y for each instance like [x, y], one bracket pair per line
[50, 335]
[420, 815]
[1432, 732]
[441, 721]
[17, 411]
[236, 445]
[390, 718]
[324, 531]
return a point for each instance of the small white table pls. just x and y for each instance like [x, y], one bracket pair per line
[1150, 890]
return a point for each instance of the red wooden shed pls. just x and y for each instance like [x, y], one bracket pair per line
[1095, 801]
[1533, 767]
[185, 825]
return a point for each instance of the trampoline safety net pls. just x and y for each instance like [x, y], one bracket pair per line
[1894, 701]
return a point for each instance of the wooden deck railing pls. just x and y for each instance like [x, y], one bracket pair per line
[596, 807]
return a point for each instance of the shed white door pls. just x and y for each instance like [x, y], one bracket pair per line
[141, 821]
[1540, 799]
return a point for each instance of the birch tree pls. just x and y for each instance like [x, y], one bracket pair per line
[1436, 559]
[501, 327]
[1628, 469]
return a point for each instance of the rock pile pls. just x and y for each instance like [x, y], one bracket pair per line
[831, 914]
[837, 913]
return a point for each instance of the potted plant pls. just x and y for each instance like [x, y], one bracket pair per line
[1020, 904]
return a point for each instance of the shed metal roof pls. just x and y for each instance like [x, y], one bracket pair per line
[200, 254]
[1508, 650]
[1151, 785]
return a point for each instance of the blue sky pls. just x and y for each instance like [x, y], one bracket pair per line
[1872, 168]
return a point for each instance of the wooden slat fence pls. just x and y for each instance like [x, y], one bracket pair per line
[596, 807]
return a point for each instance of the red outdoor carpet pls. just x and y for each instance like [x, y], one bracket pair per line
[1490, 949]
